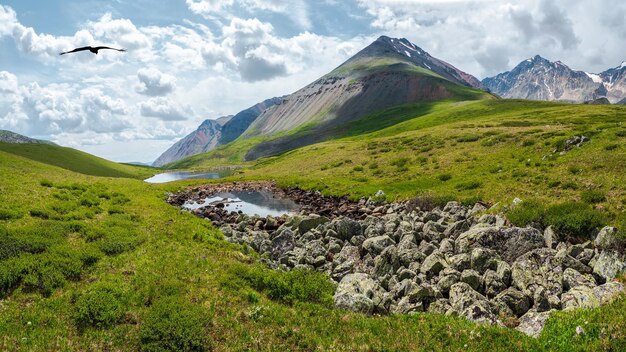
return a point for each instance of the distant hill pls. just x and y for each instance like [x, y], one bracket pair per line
[74, 160]
[212, 133]
[16, 138]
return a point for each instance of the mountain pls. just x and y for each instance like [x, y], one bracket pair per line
[16, 138]
[388, 73]
[239, 123]
[614, 81]
[213, 133]
[540, 79]
[203, 139]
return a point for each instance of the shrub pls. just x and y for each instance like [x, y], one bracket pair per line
[10, 214]
[118, 241]
[39, 213]
[175, 325]
[358, 168]
[577, 221]
[100, 306]
[290, 286]
[611, 147]
[115, 209]
[46, 183]
[467, 138]
[593, 197]
[527, 213]
[444, 177]
[466, 186]
[574, 170]
[427, 202]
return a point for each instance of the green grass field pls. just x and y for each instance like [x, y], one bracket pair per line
[100, 263]
[75, 160]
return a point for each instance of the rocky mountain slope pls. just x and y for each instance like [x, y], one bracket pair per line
[388, 73]
[12, 137]
[541, 79]
[203, 139]
[212, 133]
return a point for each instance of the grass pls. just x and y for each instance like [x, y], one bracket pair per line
[100, 263]
[74, 160]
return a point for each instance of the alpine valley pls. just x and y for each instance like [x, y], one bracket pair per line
[396, 203]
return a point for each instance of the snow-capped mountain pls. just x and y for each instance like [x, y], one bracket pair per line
[540, 79]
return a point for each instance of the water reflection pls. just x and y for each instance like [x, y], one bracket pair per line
[262, 203]
[176, 176]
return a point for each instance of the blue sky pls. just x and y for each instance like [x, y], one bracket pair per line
[189, 60]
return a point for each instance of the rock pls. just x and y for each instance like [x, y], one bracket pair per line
[472, 278]
[572, 278]
[447, 247]
[608, 292]
[532, 323]
[356, 292]
[441, 306]
[609, 264]
[406, 274]
[376, 245]
[433, 231]
[579, 297]
[471, 304]
[460, 262]
[580, 330]
[433, 264]
[427, 248]
[513, 300]
[550, 237]
[607, 239]
[492, 284]
[448, 277]
[504, 272]
[538, 269]
[509, 243]
[477, 209]
[310, 223]
[282, 243]
[455, 229]
[483, 259]
[347, 228]
[387, 262]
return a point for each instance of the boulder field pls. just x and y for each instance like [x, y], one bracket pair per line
[400, 259]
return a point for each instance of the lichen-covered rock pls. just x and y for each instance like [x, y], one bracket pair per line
[448, 277]
[509, 243]
[376, 245]
[433, 264]
[460, 262]
[533, 322]
[472, 278]
[387, 262]
[513, 302]
[607, 239]
[482, 259]
[609, 264]
[471, 304]
[492, 284]
[282, 243]
[608, 292]
[310, 222]
[572, 278]
[356, 292]
[550, 237]
[538, 269]
[579, 297]
[347, 228]
[441, 306]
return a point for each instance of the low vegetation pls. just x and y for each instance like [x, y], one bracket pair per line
[100, 263]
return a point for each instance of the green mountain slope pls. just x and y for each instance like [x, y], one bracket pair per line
[90, 263]
[489, 150]
[75, 160]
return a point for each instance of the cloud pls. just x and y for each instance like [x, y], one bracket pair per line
[549, 24]
[153, 82]
[8, 82]
[166, 110]
[208, 7]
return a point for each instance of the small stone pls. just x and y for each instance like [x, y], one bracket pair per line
[580, 330]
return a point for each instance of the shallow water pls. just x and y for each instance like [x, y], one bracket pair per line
[262, 203]
[176, 176]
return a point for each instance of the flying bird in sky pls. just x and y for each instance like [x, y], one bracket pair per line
[90, 48]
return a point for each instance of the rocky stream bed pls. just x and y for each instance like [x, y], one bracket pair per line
[402, 259]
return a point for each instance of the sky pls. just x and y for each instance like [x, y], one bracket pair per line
[191, 60]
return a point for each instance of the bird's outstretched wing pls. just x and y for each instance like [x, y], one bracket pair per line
[76, 50]
[107, 47]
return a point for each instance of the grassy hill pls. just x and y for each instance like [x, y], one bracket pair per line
[91, 263]
[75, 160]
[493, 150]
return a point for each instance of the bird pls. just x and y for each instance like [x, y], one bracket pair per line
[90, 48]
